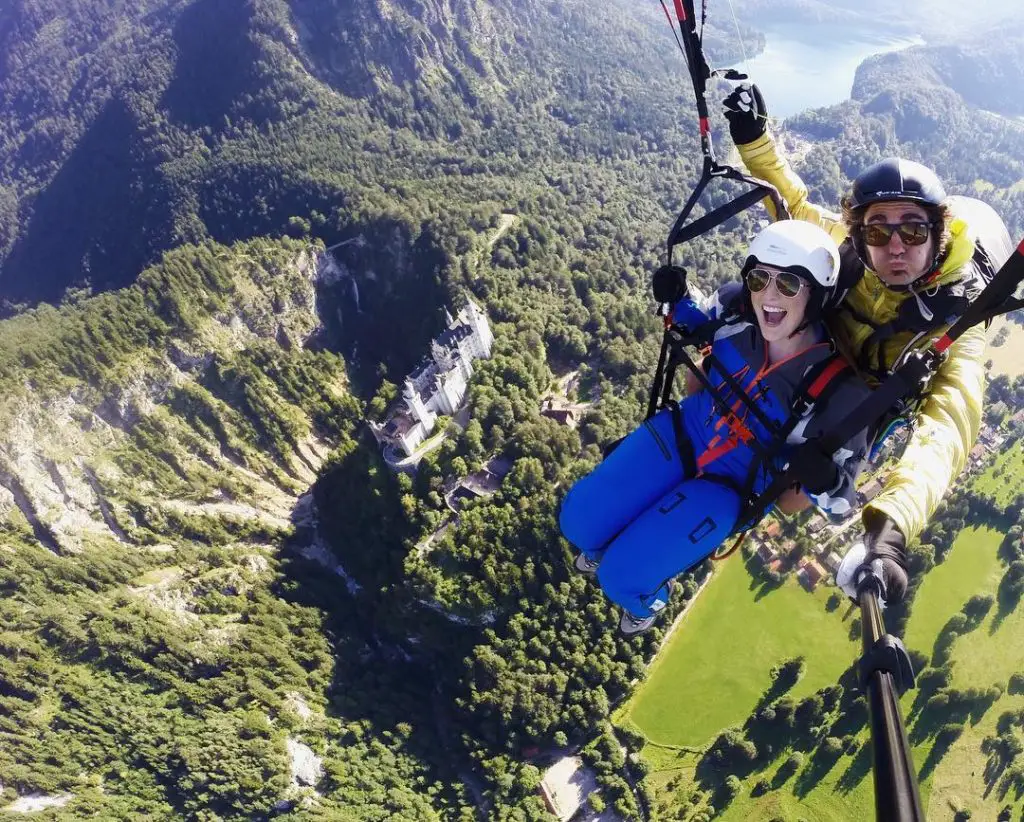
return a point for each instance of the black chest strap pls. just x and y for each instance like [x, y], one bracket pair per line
[817, 386]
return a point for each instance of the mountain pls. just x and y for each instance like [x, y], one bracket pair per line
[987, 71]
[310, 110]
[159, 443]
[218, 599]
[946, 20]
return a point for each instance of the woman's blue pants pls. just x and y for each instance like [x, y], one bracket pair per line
[649, 519]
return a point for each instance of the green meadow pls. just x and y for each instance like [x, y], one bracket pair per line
[715, 667]
[717, 663]
[1004, 479]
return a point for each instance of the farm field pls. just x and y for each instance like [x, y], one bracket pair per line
[717, 664]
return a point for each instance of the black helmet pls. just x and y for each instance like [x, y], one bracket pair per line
[897, 179]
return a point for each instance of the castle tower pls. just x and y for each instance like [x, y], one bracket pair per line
[418, 410]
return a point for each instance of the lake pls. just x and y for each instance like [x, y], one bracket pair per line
[809, 65]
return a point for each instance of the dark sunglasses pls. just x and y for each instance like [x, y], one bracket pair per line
[879, 234]
[787, 283]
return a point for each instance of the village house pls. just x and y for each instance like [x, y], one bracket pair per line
[478, 485]
[767, 554]
[817, 523]
[810, 574]
[563, 416]
[833, 561]
[869, 490]
[977, 456]
[998, 409]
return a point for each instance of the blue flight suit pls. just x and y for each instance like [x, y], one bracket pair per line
[649, 517]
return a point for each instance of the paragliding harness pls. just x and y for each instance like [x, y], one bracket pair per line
[930, 306]
[884, 667]
[670, 286]
[818, 383]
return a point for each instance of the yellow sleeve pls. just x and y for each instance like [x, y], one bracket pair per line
[763, 161]
[947, 426]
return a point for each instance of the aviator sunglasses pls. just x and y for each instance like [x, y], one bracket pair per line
[787, 283]
[879, 234]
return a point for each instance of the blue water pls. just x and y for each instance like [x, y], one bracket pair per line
[810, 65]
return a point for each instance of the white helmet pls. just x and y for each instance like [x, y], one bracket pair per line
[798, 246]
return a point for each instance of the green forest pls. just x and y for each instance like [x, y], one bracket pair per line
[206, 564]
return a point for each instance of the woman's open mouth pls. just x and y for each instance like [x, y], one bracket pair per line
[773, 316]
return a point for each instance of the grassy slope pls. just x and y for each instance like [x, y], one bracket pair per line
[788, 622]
[971, 568]
[717, 664]
[1006, 358]
[1004, 487]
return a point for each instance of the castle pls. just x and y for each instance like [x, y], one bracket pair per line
[438, 384]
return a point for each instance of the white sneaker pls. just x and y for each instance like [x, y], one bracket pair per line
[630, 625]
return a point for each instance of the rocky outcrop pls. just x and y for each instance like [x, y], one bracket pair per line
[307, 767]
[32, 803]
[59, 469]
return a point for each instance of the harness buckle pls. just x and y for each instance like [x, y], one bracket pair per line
[802, 406]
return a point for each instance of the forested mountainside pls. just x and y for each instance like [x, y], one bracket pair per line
[903, 104]
[331, 113]
[987, 72]
[160, 656]
[201, 543]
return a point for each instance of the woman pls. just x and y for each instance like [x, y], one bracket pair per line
[673, 490]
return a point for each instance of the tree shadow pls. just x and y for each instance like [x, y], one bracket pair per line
[783, 775]
[927, 725]
[858, 768]
[821, 763]
[759, 582]
[943, 743]
[995, 768]
[768, 587]
[1007, 598]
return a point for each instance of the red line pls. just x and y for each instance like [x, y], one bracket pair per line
[680, 11]
[1020, 248]
[825, 377]
[943, 344]
[705, 126]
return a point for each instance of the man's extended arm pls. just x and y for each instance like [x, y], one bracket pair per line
[946, 428]
[762, 159]
[748, 125]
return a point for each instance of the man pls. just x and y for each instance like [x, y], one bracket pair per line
[909, 265]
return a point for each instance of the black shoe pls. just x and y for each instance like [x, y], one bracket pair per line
[586, 565]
